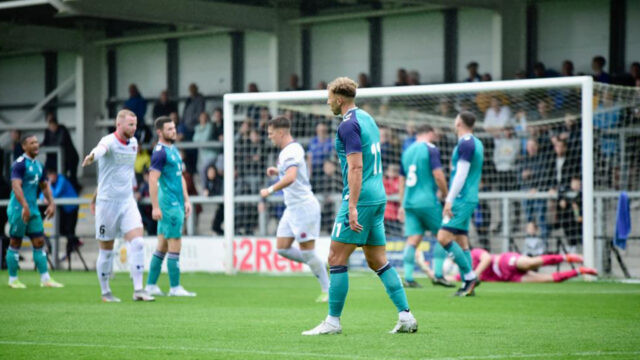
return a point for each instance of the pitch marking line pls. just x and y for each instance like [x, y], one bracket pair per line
[317, 355]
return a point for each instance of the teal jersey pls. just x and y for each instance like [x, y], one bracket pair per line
[469, 148]
[166, 159]
[30, 172]
[418, 163]
[358, 133]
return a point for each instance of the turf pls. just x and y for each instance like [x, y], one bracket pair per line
[261, 317]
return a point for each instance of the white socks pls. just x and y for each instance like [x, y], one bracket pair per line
[135, 253]
[335, 321]
[469, 276]
[45, 277]
[104, 266]
[405, 315]
[317, 267]
[291, 254]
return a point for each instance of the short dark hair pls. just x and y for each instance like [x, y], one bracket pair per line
[468, 118]
[472, 64]
[279, 122]
[424, 129]
[24, 138]
[600, 60]
[159, 123]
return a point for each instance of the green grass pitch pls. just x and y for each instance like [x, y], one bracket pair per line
[261, 317]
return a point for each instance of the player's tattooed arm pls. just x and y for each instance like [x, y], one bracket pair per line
[16, 186]
[288, 179]
[354, 179]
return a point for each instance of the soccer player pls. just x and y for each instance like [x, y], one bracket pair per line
[462, 199]
[421, 177]
[24, 215]
[115, 208]
[301, 218]
[513, 267]
[170, 205]
[360, 220]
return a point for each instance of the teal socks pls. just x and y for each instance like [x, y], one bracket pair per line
[338, 288]
[155, 267]
[393, 285]
[409, 261]
[174, 269]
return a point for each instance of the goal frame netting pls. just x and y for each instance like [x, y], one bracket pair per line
[585, 83]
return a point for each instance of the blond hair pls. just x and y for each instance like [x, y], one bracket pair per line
[123, 114]
[343, 86]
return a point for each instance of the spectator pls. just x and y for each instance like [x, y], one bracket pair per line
[391, 183]
[213, 186]
[597, 65]
[534, 245]
[535, 175]
[164, 107]
[363, 81]
[180, 128]
[507, 148]
[497, 116]
[138, 105]
[320, 149]
[634, 71]
[253, 88]
[193, 107]
[401, 77]
[414, 78]
[472, 68]
[571, 133]
[322, 85]
[202, 134]
[293, 83]
[520, 74]
[389, 147]
[58, 135]
[142, 164]
[142, 192]
[16, 145]
[63, 188]
[569, 210]
[218, 125]
[410, 138]
[487, 77]
[541, 71]
[330, 188]
[567, 68]
[563, 168]
[607, 117]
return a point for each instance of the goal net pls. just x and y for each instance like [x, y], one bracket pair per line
[542, 163]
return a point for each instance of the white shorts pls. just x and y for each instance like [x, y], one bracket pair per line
[301, 221]
[116, 218]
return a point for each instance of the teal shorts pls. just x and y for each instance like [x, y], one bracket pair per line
[462, 213]
[170, 226]
[18, 229]
[419, 220]
[371, 217]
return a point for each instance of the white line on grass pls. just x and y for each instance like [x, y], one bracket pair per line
[316, 355]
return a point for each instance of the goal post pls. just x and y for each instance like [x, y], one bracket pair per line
[314, 102]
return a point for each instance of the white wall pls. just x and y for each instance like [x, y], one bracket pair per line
[413, 42]
[143, 64]
[575, 30]
[476, 43]
[206, 61]
[260, 60]
[633, 33]
[339, 49]
[21, 82]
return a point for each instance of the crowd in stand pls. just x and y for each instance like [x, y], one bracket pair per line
[532, 144]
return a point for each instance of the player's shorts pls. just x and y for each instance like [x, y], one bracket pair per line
[116, 218]
[459, 222]
[505, 267]
[300, 221]
[170, 226]
[371, 217]
[18, 229]
[419, 220]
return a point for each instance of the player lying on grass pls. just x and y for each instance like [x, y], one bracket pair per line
[301, 218]
[421, 178]
[24, 215]
[170, 206]
[514, 267]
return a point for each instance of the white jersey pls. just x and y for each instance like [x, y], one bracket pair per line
[115, 168]
[300, 190]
